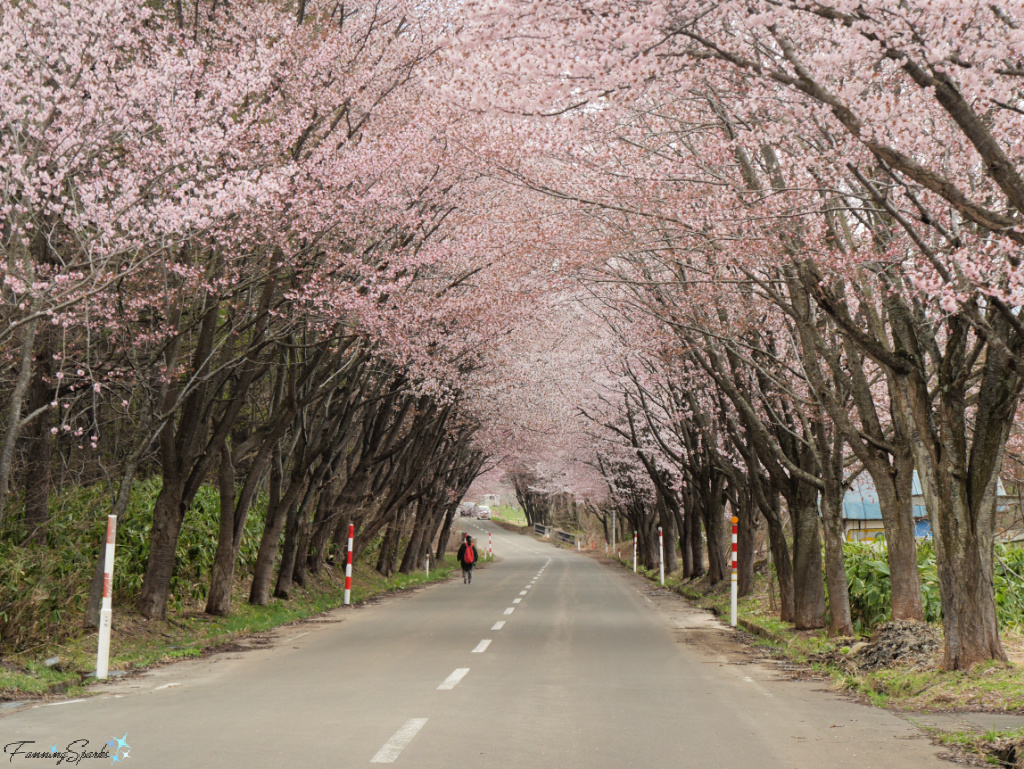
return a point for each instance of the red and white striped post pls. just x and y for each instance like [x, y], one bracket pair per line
[348, 565]
[106, 610]
[490, 549]
[661, 555]
[634, 552]
[735, 577]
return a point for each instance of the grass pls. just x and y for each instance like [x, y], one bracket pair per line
[509, 514]
[33, 677]
[987, 686]
[137, 643]
[997, 747]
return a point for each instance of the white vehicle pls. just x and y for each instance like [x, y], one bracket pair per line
[483, 513]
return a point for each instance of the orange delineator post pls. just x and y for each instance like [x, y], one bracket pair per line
[735, 575]
[348, 565]
[661, 555]
[106, 611]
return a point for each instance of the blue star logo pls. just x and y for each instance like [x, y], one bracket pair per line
[116, 745]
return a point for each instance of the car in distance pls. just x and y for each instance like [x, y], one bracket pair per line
[483, 513]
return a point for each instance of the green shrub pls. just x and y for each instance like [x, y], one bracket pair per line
[43, 589]
[867, 570]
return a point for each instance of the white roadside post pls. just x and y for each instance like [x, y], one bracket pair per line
[428, 564]
[735, 582]
[661, 555]
[634, 552]
[613, 530]
[348, 565]
[106, 610]
[490, 548]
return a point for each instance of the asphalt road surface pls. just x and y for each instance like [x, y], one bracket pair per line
[549, 659]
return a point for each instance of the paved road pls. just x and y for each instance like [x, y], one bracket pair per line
[585, 671]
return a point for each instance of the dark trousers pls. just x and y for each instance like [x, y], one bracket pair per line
[467, 572]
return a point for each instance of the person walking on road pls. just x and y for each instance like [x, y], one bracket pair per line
[468, 556]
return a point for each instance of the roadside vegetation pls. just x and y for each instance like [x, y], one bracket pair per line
[43, 592]
[509, 514]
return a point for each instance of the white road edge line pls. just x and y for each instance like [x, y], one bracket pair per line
[510, 609]
[55, 704]
[399, 741]
[498, 625]
[165, 686]
[482, 646]
[452, 681]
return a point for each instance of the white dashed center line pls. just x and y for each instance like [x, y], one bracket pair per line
[451, 681]
[399, 741]
[510, 609]
[498, 625]
[482, 646]
[517, 600]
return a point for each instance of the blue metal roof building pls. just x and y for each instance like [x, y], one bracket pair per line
[862, 514]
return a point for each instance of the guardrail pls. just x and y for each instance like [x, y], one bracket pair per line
[546, 531]
[564, 536]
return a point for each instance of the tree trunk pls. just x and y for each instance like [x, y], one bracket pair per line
[668, 522]
[278, 509]
[830, 445]
[263, 573]
[414, 550]
[780, 557]
[218, 602]
[960, 488]
[168, 517]
[965, 580]
[714, 525]
[302, 550]
[840, 621]
[446, 533]
[384, 559]
[808, 586]
[40, 447]
[962, 542]
[13, 416]
[290, 549]
[684, 542]
[696, 545]
[328, 518]
[746, 533]
[895, 498]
